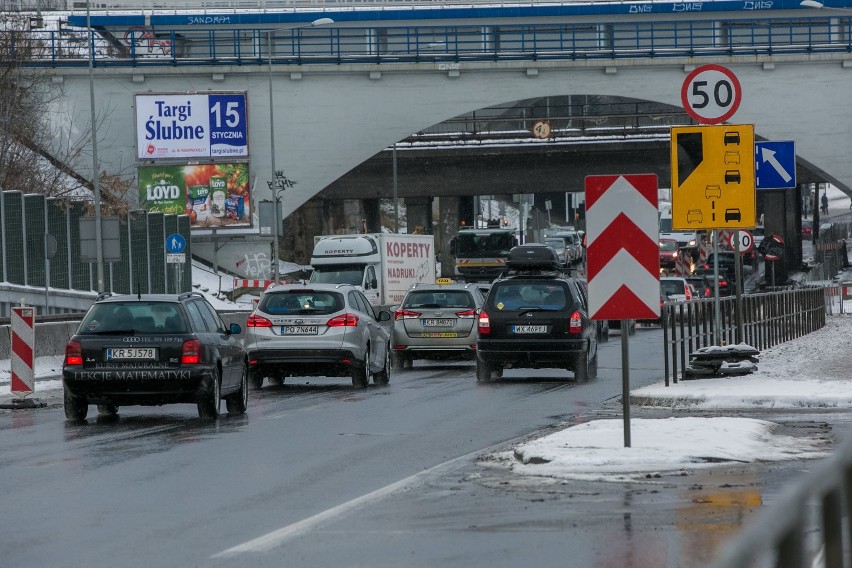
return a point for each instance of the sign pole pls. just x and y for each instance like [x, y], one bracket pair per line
[738, 273]
[625, 380]
[717, 312]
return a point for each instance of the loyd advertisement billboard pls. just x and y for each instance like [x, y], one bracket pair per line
[213, 195]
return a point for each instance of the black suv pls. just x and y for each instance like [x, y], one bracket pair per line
[536, 317]
[154, 349]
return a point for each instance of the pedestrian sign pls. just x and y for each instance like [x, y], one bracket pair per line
[713, 177]
[175, 243]
[775, 165]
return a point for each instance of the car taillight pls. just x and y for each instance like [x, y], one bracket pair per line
[190, 353]
[723, 283]
[345, 320]
[405, 314]
[484, 324]
[467, 314]
[688, 294]
[258, 321]
[707, 292]
[575, 325]
[73, 353]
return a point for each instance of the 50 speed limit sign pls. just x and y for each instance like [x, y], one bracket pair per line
[711, 94]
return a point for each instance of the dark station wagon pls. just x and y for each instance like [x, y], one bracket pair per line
[154, 349]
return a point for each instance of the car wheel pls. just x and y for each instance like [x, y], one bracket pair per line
[237, 403]
[581, 369]
[256, 379]
[76, 407]
[383, 376]
[398, 361]
[107, 410]
[484, 371]
[361, 375]
[208, 400]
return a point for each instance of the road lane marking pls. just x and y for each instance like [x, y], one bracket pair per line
[276, 538]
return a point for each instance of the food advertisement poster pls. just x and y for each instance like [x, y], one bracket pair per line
[212, 195]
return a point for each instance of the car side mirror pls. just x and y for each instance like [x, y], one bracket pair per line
[374, 284]
[235, 329]
[384, 315]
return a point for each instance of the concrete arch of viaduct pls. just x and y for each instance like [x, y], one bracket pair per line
[330, 119]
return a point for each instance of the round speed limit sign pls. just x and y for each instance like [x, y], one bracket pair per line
[711, 94]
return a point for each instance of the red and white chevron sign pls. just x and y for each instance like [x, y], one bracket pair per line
[623, 250]
[23, 351]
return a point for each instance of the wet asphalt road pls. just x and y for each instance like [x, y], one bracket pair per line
[320, 474]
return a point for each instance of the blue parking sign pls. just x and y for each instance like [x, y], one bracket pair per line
[775, 165]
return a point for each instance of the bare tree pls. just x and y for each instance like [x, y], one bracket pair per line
[29, 159]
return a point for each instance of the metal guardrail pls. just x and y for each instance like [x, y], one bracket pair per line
[767, 319]
[805, 527]
[141, 47]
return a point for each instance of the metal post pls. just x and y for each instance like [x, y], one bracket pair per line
[738, 272]
[717, 312]
[395, 196]
[625, 381]
[96, 185]
[273, 187]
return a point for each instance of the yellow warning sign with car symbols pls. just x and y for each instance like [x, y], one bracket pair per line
[713, 177]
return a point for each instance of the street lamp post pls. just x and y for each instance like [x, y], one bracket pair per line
[273, 186]
[96, 186]
[395, 197]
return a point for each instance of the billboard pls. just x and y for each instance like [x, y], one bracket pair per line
[212, 195]
[190, 126]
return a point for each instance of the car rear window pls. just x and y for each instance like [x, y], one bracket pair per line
[136, 317]
[302, 302]
[516, 295]
[439, 299]
[672, 287]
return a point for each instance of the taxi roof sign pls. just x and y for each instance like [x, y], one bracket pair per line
[713, 177]
[443, 281]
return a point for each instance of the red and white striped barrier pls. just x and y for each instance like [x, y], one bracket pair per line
[243, 283]
[23, 351]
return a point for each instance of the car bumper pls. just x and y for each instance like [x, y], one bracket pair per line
[304, 362]
[537, 354]
[137, 386]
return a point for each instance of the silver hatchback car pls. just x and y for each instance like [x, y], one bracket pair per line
[317, 330]
[436, 321]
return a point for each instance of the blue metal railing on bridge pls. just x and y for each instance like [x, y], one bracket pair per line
[141, 47]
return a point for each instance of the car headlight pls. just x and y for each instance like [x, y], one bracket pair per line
[693, 242]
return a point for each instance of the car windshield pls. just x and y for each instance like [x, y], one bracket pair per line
[518, 295]
[133, 318]
[665, 225]
[301, 302]
[438, 299]
[668, 245]
[484, 244]
[337, 274]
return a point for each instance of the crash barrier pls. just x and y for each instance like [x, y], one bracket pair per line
[805, 526]
[767, 319]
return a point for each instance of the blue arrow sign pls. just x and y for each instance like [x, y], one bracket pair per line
[175, 243]
[774, 165]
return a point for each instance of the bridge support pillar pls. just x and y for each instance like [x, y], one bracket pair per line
[299, 230]
[372, 215]
[776, 223]
[449, 207]
[418, 213]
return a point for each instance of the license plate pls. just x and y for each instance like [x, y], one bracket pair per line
[299, 330]
[440, 334]
[437, 322]
[529, 329]
[131, 354]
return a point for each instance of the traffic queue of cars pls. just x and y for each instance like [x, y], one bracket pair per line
[160, 349]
